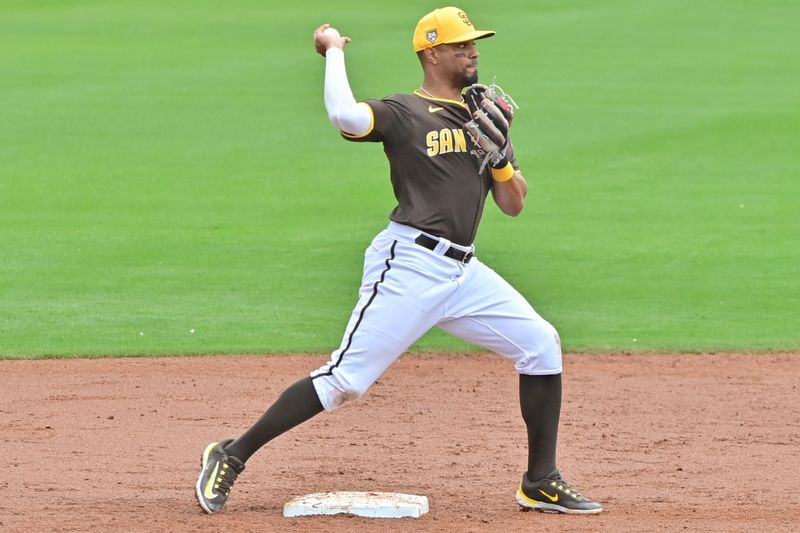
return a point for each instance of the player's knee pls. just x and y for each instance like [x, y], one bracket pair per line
[542, 352]
[351, 394]
[551, 350]
[334, 393]
[348, 394]
[556, 345]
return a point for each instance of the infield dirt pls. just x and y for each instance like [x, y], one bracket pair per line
[666, 442]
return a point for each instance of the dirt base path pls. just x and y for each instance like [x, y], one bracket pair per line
[665, 442]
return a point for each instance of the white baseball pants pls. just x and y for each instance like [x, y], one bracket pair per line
[407, 289]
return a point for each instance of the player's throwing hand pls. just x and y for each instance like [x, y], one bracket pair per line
[326, 37]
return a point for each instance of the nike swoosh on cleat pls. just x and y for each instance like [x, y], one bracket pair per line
[432, 109]
[207, 491]
[552, 498]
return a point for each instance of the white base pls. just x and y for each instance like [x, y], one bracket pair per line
[368, 504]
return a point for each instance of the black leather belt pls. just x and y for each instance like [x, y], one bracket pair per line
[453, 253]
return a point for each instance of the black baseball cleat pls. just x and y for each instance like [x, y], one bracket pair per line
[554, 495]
[218, 471]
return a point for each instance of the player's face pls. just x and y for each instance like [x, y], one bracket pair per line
[462, 62]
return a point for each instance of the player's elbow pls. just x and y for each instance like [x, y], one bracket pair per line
[335, 119]
[354, 119]
[513, 208]
[510, 204]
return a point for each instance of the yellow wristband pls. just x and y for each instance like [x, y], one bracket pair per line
[503, 174]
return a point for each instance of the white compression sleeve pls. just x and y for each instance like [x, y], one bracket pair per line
[343, 110]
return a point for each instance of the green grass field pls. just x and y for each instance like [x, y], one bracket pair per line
[169, 183]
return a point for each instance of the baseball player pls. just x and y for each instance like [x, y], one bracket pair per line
[446, 155]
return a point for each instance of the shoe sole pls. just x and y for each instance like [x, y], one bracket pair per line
[528, 504]
[198, 489]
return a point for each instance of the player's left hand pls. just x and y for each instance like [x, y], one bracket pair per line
[491, 119]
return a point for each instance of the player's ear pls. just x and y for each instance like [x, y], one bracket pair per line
[431, 55]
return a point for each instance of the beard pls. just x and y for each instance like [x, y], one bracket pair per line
[469, 79]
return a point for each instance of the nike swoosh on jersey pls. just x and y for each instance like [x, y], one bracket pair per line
[432, 109]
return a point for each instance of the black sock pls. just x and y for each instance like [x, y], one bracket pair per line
[297, 404]
[540, 401]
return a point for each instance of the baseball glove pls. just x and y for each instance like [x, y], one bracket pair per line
[492, 111]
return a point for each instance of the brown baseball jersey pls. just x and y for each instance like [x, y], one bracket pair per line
[434, 176]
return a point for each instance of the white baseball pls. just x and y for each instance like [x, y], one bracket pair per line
[331, 31]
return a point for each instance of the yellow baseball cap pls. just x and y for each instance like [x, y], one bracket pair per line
[446, 25]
